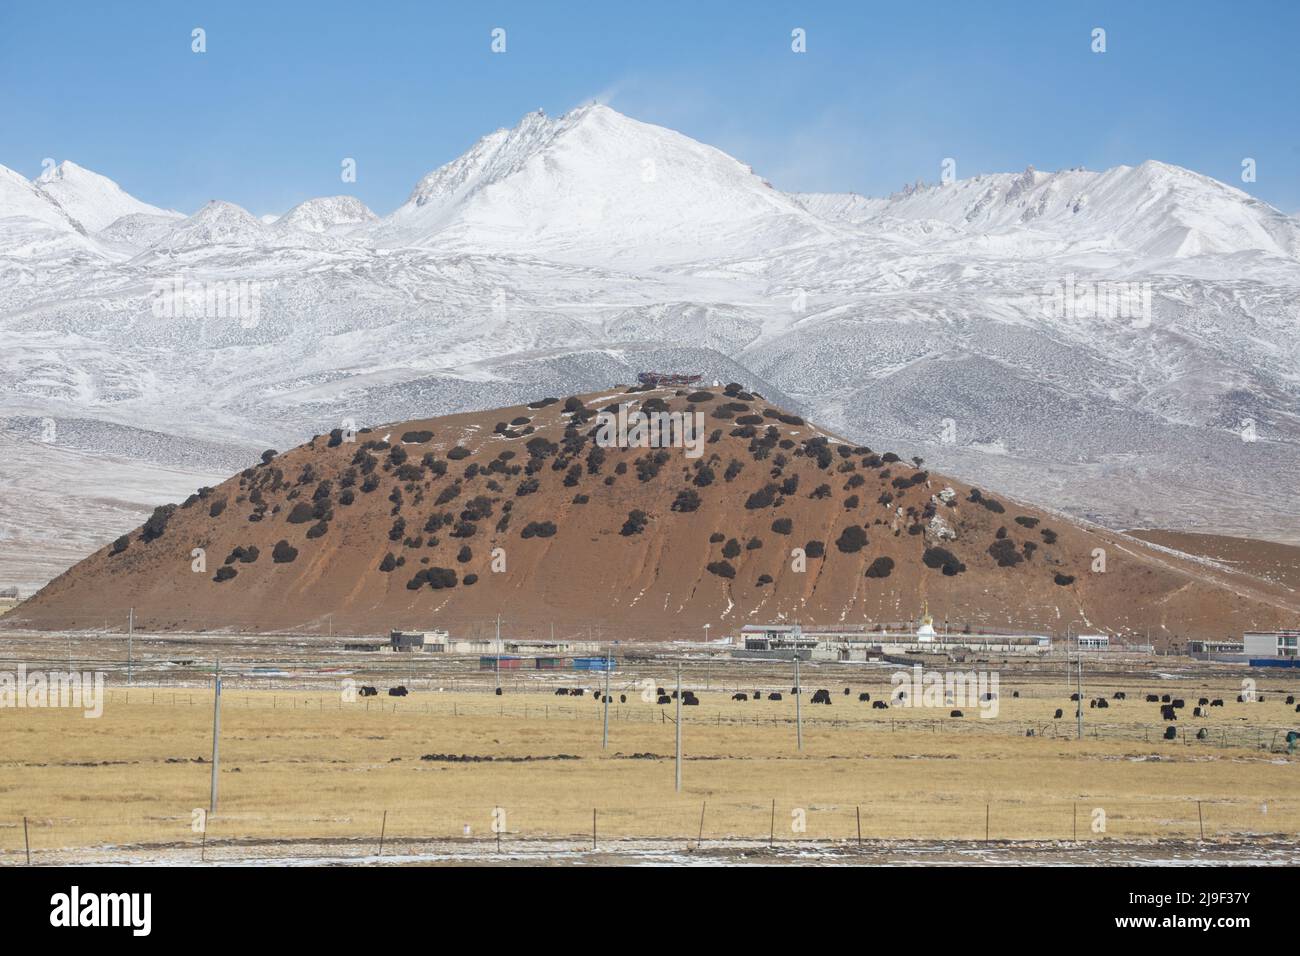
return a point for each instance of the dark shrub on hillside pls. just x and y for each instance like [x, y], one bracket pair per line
[782, 525]
[703, 476]
[580, 499]
[464, 554]
[890, 457]
[440, 578]
[700, 397]
[722, 569]
[814, 549]
[1029, 548]
[458, 453]
[852, 539]
[764, 579]
[1063, 579]
[635, 523]
[447, 494]
[749, 420]
[244, 555]
[302, 513]
[880, 567]
[224, 573]
[542, 402]
[1025, 521]
[398, 529]
[388, 563]
[539, 447]
[733, 469]
[469, 579]
[943, 559]
[686, 501]
[157, 523]
[731, 548]
[716, 537]
[1049, 536]
[762, 498]
[527, 487]
[538, 529]
[283, 552]
[573, 475]
[993, 505]
[851, 502]
[318, 529]
[464, 529]
[268, 455]
[1004, 551]
[790, 485]
[855, 481]
[821, 491]
[120, 544]
[753, 544]
[217, 507]
[417, 437]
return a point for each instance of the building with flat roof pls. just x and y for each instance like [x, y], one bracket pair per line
[1274, 644]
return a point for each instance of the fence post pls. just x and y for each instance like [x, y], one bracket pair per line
[1201, 819]
[593, 828]
[859, 812]
[27, 842]
[383, 827]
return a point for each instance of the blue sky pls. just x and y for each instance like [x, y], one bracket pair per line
[286, 90]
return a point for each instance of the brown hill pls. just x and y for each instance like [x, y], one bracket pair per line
[399, 526]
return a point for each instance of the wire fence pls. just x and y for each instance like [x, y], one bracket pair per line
[1213, 733]
[246, 833]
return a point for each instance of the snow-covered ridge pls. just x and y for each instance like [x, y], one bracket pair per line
[595, 185]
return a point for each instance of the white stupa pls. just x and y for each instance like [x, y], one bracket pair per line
[925, 633]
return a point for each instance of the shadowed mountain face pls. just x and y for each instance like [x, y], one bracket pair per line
[544, 514]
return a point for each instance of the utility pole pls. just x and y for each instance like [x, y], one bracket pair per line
[798, 693]
[1067, 657]
[216, 742]
[1079, 652]
[679, 726]
[130, 636]
[604, 739]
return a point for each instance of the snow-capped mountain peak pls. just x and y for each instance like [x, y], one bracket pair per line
[328, 214]
[1155, 210]
[92, 200]
[594, 182]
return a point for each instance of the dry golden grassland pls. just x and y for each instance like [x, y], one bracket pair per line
[304, 766]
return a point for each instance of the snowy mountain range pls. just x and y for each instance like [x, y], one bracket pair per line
[1123, 345]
